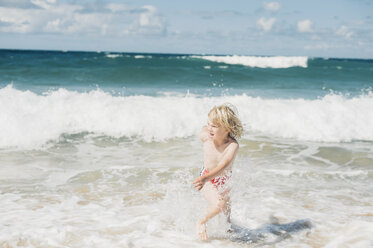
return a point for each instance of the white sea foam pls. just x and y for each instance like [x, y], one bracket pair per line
[261, 62]
[28, 119]
[113, 56]
[142, 56]
[141, 193]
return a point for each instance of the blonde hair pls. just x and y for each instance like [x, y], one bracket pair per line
[225, 115]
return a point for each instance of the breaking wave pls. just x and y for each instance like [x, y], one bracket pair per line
[261, 62]
[29, 120]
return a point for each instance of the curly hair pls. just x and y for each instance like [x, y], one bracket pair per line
[225, 115]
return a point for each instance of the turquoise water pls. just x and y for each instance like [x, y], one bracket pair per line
[153, 74]
[100, 149]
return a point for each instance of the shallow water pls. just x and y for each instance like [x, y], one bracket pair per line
[98, 191]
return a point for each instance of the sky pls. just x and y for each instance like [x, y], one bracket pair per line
[317, 28]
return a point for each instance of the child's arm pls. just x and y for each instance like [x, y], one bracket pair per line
[224, 162]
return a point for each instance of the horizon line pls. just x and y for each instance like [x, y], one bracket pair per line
[178, 54]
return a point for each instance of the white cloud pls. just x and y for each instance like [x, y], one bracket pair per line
[117, 7]
[149, 18]
[20, 20]
[148, 23]
[23, 4]
[78, 23]
[304, 26]
[345, 32]
[51, 17]
[272, 6]
[265, 24]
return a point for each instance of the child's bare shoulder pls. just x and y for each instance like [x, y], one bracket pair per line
[232, 145]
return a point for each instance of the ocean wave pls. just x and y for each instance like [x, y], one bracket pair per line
[113, 56]
[143, 56]
[261, 62]
[29, 120]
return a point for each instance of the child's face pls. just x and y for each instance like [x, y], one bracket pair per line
[216, 131]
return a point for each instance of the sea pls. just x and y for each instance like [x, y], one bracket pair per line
[99, 149]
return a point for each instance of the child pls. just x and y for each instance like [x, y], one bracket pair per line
[220, 148]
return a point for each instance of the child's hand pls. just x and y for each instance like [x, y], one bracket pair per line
[199, 182]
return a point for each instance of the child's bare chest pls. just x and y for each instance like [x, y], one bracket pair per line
[212, 155]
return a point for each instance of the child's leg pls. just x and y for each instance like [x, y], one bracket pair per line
[227, 206]
[217, 203]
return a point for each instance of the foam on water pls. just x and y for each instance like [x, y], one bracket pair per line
[137, 194]
[29, 120]
[113, 56]
[261, 62]
[143, 56]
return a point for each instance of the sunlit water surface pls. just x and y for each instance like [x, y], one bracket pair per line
[94, 191]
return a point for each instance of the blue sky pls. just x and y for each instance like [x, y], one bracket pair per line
[317, 28]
